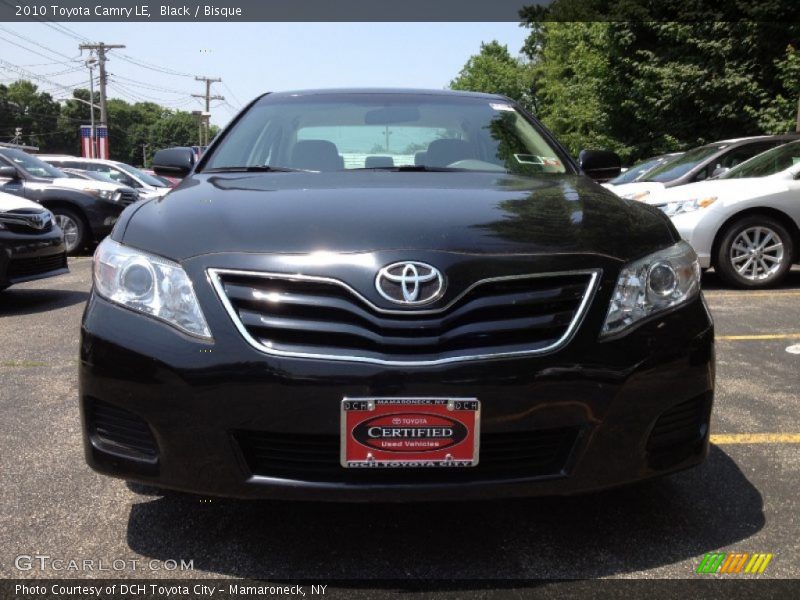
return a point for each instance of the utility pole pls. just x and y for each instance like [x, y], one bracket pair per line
[206, 119]
[101, 48]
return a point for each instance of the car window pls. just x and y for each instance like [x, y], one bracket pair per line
[683, 164]
[30, 164]
[113, 174]
[637, 171]
[733, 158]
[330, 132]
[767, 163]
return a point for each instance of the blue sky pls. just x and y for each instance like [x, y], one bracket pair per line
[251, 57]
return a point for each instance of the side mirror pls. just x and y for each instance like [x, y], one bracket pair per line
[8, 173]
[174, 162]
[600, 165]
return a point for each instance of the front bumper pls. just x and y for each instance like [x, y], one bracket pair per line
[31, 256]
[184, 404]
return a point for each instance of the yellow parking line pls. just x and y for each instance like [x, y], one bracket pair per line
[749, 294]
[760, 336]
[755, 438]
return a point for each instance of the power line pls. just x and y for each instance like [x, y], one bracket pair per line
[42, 46]
[101, 49]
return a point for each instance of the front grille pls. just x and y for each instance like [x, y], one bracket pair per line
[26, 221]
[119, 431]
[303, 457]
[317, 317]
[679, 432]
[128, 198]
[28, 267]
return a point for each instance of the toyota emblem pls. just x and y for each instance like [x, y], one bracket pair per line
[410, 283]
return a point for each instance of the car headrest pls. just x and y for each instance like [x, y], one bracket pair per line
[373, 162]
[316, 155]
[444, 152]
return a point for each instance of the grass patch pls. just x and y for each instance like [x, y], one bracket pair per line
[22, 363]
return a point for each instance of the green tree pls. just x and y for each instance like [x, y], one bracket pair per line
[495, 71]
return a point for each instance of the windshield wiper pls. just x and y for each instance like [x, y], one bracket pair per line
[409, 168]
[253, 169]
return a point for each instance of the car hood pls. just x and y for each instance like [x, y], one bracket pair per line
[344, 212]
[73, 183]
[640, 190]
[725, 189]
[12, 202]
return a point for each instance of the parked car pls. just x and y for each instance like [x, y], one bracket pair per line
[129, 194]
[745, 223]
[31, 244]
[118, 172]
[84, 210]
[700, 164]
[639, 170]
[170, 181]
[487, 322]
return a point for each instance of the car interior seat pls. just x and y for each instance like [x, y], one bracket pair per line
[378, 162]
[316, 155]
[447, 151]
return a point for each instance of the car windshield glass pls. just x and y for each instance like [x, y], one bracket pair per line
[636, 171]
[767, 163]
[30, 164]
[681, 165]
[385, 131]
[140, 175]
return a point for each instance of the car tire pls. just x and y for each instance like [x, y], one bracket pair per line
[74, 228]
[754, 252]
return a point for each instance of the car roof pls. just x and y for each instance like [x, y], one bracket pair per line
[756, 138]
[399, 91]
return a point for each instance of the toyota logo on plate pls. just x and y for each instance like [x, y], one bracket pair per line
[410, 283]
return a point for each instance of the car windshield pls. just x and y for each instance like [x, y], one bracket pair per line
[637, 171]
[386, 131]
[767, 163]
[30, 164]
[140, 175]
[683, 164]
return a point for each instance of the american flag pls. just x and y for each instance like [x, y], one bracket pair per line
[101, 137]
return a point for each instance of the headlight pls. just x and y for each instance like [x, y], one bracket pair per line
[110, 195]
[651, 285]
[684, 206]
[149, 284]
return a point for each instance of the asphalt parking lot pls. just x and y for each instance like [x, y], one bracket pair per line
[743, 498]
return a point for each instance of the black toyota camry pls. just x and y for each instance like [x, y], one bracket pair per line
[393, 295]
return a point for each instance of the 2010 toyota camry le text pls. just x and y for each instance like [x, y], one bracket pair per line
[393, 295]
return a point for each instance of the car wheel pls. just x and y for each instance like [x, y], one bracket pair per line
[73, 227]
[755, 252]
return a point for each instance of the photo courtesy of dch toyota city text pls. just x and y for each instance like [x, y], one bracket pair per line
[442, 299]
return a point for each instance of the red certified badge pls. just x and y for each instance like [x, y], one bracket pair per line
[410, 432]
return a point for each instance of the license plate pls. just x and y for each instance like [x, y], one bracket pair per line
[410, 432]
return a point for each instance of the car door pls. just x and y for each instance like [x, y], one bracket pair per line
[11, 186]
[733, 157]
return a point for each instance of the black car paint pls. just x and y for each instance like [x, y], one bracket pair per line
[194, 394]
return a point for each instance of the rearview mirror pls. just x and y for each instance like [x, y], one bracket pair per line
[8, 173]
[600, 165]
[175, 162]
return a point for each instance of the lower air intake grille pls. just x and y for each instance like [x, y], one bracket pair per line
[679, 432]
[116, 430]
[303, 457]
[28, 267]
